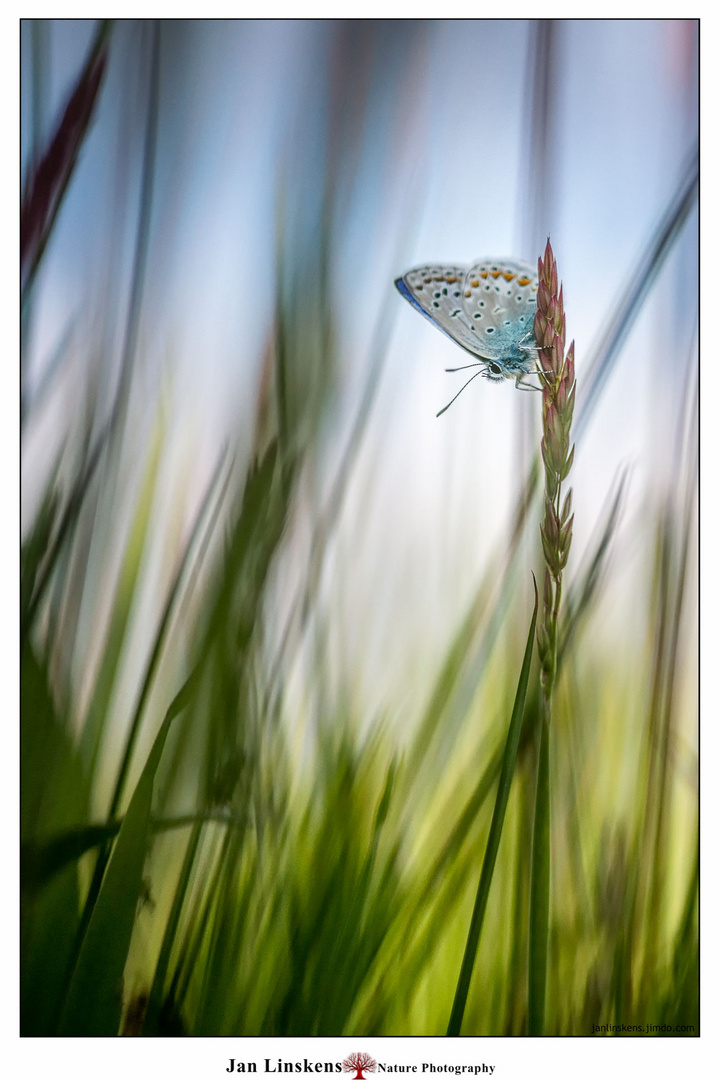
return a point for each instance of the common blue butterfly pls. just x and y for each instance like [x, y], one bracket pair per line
[488, 309]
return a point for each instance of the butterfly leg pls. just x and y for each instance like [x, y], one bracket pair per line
[545, 377]
[519, 385]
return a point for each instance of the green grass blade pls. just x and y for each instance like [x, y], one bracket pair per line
[95, 994]
[54, 794]
[41, 861]
[33, 589]
[161, 634]
[540, 890]
[496, 825]
[155, 997]
[124, 598]
[153, 661]
[458, 836]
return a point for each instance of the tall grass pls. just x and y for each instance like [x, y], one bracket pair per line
[207, 850]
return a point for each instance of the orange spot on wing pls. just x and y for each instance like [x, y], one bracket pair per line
[496, 273]
[524, 280]
[475, 283]
[468, 293]
[508, 275]
[483, 273]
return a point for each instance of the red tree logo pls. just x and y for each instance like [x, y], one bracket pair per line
[359, 1061]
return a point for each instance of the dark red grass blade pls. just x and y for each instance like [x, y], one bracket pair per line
[47, 182]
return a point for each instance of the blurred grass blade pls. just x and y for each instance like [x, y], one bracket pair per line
[54, 795]
[540, 889]
[142, 237]
[451, 849]
[35, 545]
[42, 576]
[94, 998]
[41, 861]
[447, 680]
[47, 183]
[539, 159]
[496, 825]
[94, 456]
[330, 514]
[152, 663]
[123, 600]
[164, 624]
[154, 1005]
[51, 372]
[626, 309]
[583, 590]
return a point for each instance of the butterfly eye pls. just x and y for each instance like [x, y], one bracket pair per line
[496, 369]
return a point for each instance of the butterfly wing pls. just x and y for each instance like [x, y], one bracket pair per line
[499, 299]
[437, 293]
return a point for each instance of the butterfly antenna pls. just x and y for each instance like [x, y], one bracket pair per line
[445, 409]
[465, 366]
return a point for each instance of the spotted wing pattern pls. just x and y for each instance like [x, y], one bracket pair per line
[499, 299]
[488, 309]
[437, 293]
